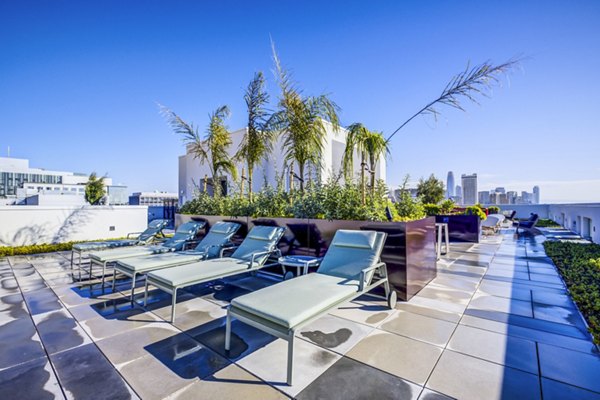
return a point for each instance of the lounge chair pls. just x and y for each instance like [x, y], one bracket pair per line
[183, 234]
[250, 256]
[492, 223]
[155, 227]
[529, 224]
[347, 271]
[212, 245]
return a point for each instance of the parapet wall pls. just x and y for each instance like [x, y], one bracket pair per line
[26, 225]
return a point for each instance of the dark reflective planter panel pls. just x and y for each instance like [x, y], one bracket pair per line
[462, 228]
[409, 251]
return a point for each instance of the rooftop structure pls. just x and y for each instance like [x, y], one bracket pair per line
[192, 172]
[469, 188]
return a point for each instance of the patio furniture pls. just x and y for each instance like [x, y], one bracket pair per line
[442, 235]
[298, 262]
[212, 245]
[492, 223]
[155, 227]
[250, 256]
[350, 268]
[184, 233]
[529, 224]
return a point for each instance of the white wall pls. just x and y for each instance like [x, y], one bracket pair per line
[580, 218]
[25, 225]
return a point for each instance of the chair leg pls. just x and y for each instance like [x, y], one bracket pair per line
[103, 272]
[228, 332]
[146, 293]
[174, 303]
[72, 253]
[290, 360]
[114, 282]
[132, 286]
[447, 240]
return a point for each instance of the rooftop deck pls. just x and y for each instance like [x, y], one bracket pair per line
[496, 323]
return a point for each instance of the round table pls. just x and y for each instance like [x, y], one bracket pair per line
[297, 262]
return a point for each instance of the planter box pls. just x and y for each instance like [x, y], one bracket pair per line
[409, 251]
[462, 228]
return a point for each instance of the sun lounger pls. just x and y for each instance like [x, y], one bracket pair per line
[183, 234]
[250, 256]
[492, 223]
[350, 268]
[155, 227]
[529, 224]
[212, 245]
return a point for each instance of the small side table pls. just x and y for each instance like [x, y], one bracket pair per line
[298, 262]
[442, 229]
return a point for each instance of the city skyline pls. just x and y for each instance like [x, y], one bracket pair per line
[81, 82]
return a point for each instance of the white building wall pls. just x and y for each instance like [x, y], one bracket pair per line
[48, 224]
[190, 169]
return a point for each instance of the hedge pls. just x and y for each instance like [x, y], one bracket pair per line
[579, 264]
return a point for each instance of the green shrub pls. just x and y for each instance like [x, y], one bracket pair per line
[447, 206]
[408, 208]
[493, 210]
[475, 210]
[35, 249]
[546, 223]
[432, 209]
[579, 265]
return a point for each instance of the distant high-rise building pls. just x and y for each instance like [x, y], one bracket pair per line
[484, 197]
[450, 185]
[469, 185]
[536, 195]
[511, 197]
[500, 190]
[501, 198]
[458, 194]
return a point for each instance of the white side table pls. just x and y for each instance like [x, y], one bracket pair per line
[297, 262]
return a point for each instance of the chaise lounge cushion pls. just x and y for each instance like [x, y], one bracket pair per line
[198, 272]
[292, 302]
[144, 263]
[109, 244]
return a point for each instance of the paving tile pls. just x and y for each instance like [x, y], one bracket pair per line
[428, 394]
[33, 380]
[233, 383]
[59, 331]
[507, 274]
[19, 343]
[546, 278]
[131, 345]
[568, 366]
[554, 390]
[501, 349]
[563, 315]
[84, 373]
[419, 327]
[452, 308]
[244, 338]
[479, 379]
[349, 379]
[102, 327]
[428, 312]
[83, 312]
[160, 374]
[551, 298]
[465, 285]
[41, 301]
[192, 312]
[371, 313]
[407, 358]
[445, 295]
[507, 291]
[501, 304]
[270, 364]
[334, 333]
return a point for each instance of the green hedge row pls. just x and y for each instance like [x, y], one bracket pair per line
[546, 223]
[579, 264]
[35, 249]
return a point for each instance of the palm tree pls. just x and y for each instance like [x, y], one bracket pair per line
[257, 143]
[213, 149]
[302, 122]
[371, 146]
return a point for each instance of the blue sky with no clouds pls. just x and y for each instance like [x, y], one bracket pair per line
[79, 82]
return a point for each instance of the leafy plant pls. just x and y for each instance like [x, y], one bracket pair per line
[213, 149]
[475, 210]
[371, 146]
[546, 223]
[579, 265]
[431, 190]
[94, 189]
[257, 143]
[432, 209]
[302, 122]
[493, 210]
[447, 206]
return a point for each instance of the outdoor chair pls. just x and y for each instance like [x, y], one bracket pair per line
[351, 267]
[529, 224]
[183, 234]
[491, 224]
[251, 255]
[155, 228]
[212, 245]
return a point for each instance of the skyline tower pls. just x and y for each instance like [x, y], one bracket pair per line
[450, 185]
[469, 188]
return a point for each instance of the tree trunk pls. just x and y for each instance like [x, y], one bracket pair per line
[372, 169]
[301, 174]
[250, 172]
[362, 179]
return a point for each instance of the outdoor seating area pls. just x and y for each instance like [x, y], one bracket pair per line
[496, 322]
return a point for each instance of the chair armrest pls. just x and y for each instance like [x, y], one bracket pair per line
[364, 273]
[133, 233]
[259, 254]
[231, 247]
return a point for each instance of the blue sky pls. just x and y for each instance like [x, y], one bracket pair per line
[79, 82]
